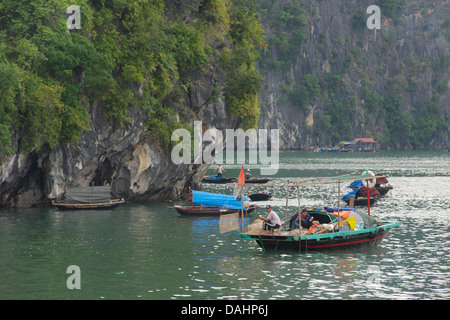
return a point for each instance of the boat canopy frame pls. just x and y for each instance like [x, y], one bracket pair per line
[316, 181]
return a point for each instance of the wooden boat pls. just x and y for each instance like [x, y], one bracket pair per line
[381, 184]
[360, 195]
[361, 201]
[217, 179]
[332, 229]
[305, 241]
[88, 198]
[213, 204]
[114, 203]
[209, 211]
[383, 190]
[257, 180]
[260, 196]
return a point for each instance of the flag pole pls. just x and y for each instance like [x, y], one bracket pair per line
[242, 210]
[241, 183]
[368, 195]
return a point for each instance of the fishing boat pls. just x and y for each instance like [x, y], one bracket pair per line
[210, 211]
[381, 184]
[360, 197]
[260, 196]
[331, 229]
[217, 179]
[257, 180]
[207, 203]
[88, 198]
[328, 235]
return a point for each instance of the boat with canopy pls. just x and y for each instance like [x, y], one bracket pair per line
[332, 228]
[381, 184]
[88, 198]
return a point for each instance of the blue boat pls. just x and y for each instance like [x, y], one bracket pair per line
[217, 200]
[213, 204]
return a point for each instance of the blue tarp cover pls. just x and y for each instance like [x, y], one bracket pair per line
[207, 199]
[354, 192]
[356, 184]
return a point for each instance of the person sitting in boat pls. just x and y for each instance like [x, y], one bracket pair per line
[220, 170]
[306, 219]
[248, 175]
[272, 221]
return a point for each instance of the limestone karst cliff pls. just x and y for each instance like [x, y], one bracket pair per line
[98, 104]
[329, 78]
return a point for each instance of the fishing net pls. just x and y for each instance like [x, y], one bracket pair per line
[255, 228]
[97, 194]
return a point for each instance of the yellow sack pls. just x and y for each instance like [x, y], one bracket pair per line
[351, 222]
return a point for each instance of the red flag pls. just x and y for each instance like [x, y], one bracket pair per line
[241, 180]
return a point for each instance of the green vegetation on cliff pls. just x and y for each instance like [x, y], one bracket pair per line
[127, 54]
[348, 81]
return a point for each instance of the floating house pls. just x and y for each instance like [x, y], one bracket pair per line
[356, 145]
[364, 144]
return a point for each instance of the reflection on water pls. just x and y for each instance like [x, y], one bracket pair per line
[149, 251]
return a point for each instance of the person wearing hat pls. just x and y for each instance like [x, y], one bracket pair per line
[248, 175]
[272, 221]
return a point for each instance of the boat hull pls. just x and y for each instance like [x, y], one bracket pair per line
[361, 202]
[219, 180]
[330, 241]
[383, 190]
[257, 180]
[208, 211]
[88, 206]
[260, 197]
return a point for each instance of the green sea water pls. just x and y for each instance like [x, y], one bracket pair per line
[148, 251]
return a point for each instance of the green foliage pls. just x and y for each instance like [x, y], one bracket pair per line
[359, 20]
[428, 124]
[308, 92]
[390, 8]
[445, 25]
[127, 54]
[10, 90]
[243, 80]
[215, 12]
[340, 112]
[289, 23]
[398, 121]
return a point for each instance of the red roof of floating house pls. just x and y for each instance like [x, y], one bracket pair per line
[366, 140]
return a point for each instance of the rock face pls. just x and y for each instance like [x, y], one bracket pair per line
[408, 58]
[359, 73]
[122, 156]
